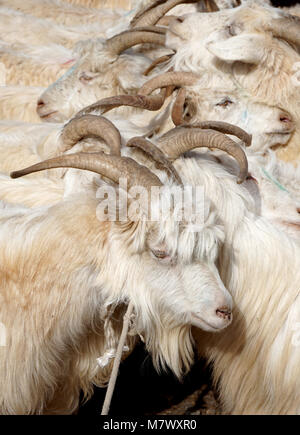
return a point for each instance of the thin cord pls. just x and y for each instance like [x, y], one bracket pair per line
[115, 369]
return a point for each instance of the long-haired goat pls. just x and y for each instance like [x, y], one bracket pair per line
[165, 267]
[103, 70]
[256, 362]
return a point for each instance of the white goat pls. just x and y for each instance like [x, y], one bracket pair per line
[101, 71]
[62, 318]
[256, 362]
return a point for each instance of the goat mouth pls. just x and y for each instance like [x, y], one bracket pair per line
[48, 115]
[295, 225]
[198, 321]
[281, 132]
[278, 146]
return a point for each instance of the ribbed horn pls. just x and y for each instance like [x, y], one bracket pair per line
[223, 127]
[154, 29]
[111, 167]
[180, 140]
[119, 43]
[90, 126]
[177, 109]
[173, 78]
[146, 9]
[287, 28]
[156, 62]
[156, 154]
[143, 100]
[148, 102]
[211, 6]
[166, 20]
[152, 13]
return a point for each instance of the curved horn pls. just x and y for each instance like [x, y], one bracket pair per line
[211, 6]
[287, 28]
[90, 126]
[148, 102]
[223, 127]
[168, 79]
[180, 140]
[119, 43]
[143, 100]
[145, 9]
[165, 21]
[156, 62]
[153, 29]
[112, 167]
[177, 110]
[156, 154]
[151, 14]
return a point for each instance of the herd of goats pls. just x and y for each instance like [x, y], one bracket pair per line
[166, 95]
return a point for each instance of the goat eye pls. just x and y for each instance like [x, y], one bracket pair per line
[225, 102]
[160, 254]
[85, 78]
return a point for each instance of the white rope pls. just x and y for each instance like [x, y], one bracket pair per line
[104, 360]
[118, 356]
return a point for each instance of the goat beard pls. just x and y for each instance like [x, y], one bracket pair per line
[171, 348]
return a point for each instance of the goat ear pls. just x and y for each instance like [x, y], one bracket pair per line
[246, 48]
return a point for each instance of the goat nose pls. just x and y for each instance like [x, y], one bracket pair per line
[180, 19]
[224, 312]
[40, 103]
[286, 120]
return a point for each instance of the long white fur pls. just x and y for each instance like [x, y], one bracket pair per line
[64, 13]
[55, 323]
[34, 65]
[256, 362]
[36, 31]
[19, 103]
